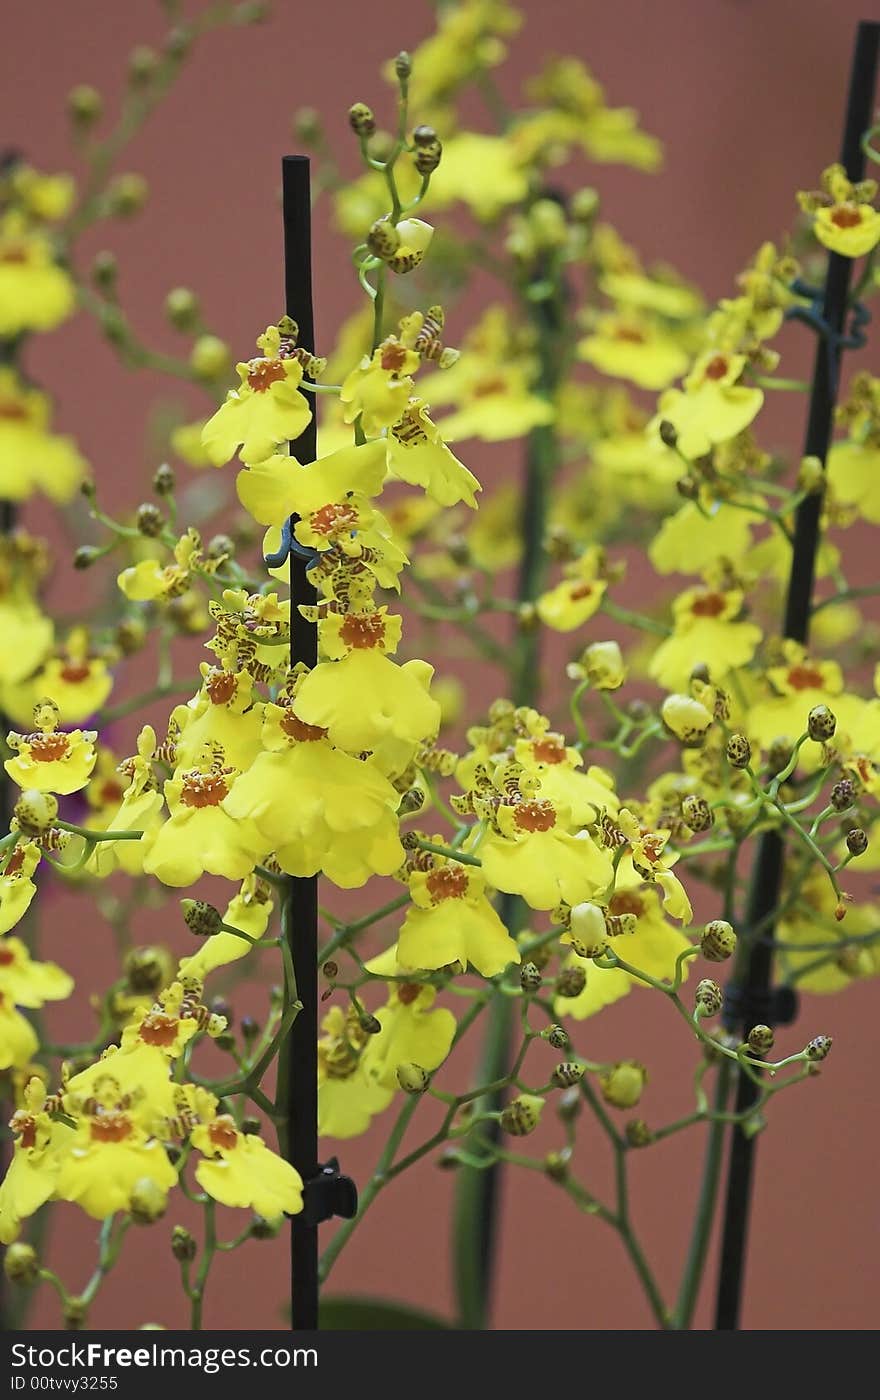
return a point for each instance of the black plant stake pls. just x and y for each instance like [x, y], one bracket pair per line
[752, 999]
[326, 1192]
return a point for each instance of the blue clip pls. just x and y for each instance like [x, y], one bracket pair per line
[852, 339]
[289, 545]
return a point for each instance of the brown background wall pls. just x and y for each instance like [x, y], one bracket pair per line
[747, 98]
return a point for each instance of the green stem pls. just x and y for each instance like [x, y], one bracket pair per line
[705, 1215]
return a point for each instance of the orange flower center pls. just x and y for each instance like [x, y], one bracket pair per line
[14, 863]
[580, 591]
[110, 1126]
[74, 674]
[25, 1125]
[629, 335]
[535, 816]
[265, 373]
[709, 605]
[550, 749]
[805, 678]
[222, 1133]
[447, 882]
[652, 848]
[221, 686]
[716, 368]
[6, 957]
[13, 412]
[408, 992]
[489, 386]
[204, 789]
[48, 748]
[111, 791]
[626, 902]
[158, 1028]
[846, 216]
[296, 728]
[393, 356]
[363, 632]
[14, 253]
[332, 518]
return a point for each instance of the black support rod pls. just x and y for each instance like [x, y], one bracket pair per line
[300, 1071]
[767, 875]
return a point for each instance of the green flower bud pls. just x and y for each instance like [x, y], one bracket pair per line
[142, 64]
[370, 1025]
[403, 66]
[148, 1202]
[856, 841]
[622, 1084]
[183, 1245]
[604, 666]
[842, 795]
[637, 1133]
[821, 724]
[361, 119]
[75, 1313]
[182, 308]
[105, 270]
[811, 476]
[521, 1116]
[383, 240]
[567, 1073]
[35, 811]
[412, 1078]
[200, 917]
[147, 969]
[20, 1263]
[250, 1126]
[149, 520]
[127, 195]
[697, 813]
[819, 1048]
[571, 982]
[210, 357]
[265, 1229]
[760, 1039]
[708, 999]
[556, 1166]
[739, 751]
[718, 941]
[530, 978]
[164, 480]
[668, 433]
[84, 105]
[557, 1037]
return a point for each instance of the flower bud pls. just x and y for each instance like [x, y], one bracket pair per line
[220, 547]
[330, 970]
[250, 1028]
[209, 357]
[370, 1025]
[142, 64]
[35, 811]
[686, 718]
[104, 270]
[819, 1048]
[697, 813]
[760, 1039]
[718, 941]
[84, 105]
[622, 1084]
[588, 930]
[383, 240]
[568, 1072]
[557, 1037]
[637, 1133]
[182, 308]
[556, 1165]
[403, 66]
[265, 1229]
[361, 119]
[583, 205]
[20, 1263]
[130, 635]
[200, 917]
[821, 724]
[183, 1245]
[521, 1116]
[412, 1078]
[127, 195]
[739, 751]
[530, 978]
[842, 794]
[856, 841]
[75, 1312]
[604, 665]
[148, 1202]
[708, 998]
[178, 42]
[571, 982]
[307, 125]
[250, 1126]
[811, 476]
[149, 520]
[86, 556]
[164, 480]
[668, 433]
